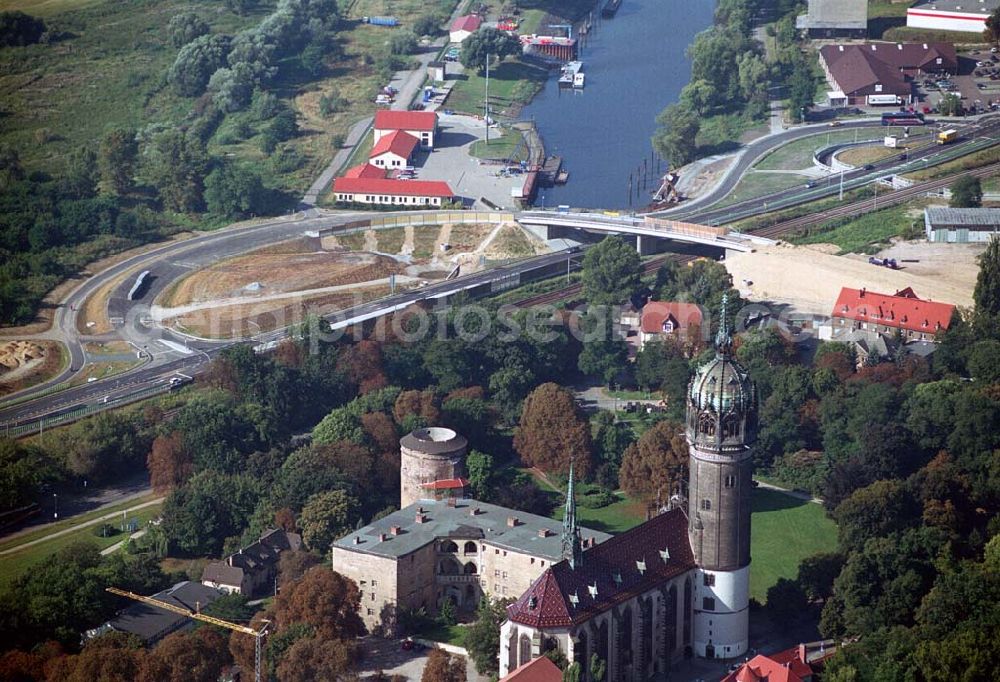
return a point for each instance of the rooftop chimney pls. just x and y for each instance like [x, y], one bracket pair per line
[543, 532]
[452, 501]
[512, 521]
[357, 539]
[802, 653]
[862, 292]
[473, 511]
[395, 530]
[382, 537]
[421, 518]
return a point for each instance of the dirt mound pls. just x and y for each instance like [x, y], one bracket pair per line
[15, 355]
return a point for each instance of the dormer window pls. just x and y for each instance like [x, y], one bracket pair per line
[668, 326]
[592, 589]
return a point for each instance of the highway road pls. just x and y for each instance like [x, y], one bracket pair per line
[172, 354]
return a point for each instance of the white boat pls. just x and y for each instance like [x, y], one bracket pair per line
[578, 79]
[567, 78]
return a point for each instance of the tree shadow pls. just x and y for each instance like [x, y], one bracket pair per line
[765, 500]
[879, 25]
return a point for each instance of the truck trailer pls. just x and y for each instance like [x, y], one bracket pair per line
[947, 136]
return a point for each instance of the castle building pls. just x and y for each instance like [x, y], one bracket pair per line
[676, 584]
[441, 545]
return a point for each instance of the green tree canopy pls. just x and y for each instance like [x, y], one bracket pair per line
[611, 272]
[966, 192]
[487, 44]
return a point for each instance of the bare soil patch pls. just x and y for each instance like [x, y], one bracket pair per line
[859, 156]
[26, 363]
[811, 280]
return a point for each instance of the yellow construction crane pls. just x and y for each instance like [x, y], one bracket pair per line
[258, 635]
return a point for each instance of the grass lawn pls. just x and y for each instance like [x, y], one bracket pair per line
[859, 156]
[511, 82]
[509, 146]
[784, 531]
[798, 154]
[754, 185]
[12, 565]
[864, 234]
[884, 8]
[449, 634]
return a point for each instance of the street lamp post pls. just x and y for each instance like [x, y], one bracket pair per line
[55, 501]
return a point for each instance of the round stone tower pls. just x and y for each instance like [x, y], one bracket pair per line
[721, 426]
[428, 455]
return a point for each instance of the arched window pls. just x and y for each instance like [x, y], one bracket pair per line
[450, 567]
[706, 424]
[470, 569]
[525, 650]
[449, 546]
[470, 547]
[580, 651]
[730, 426]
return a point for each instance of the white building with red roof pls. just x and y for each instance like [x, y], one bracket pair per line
[367, 190]
[463, 27]
[914, 318]
[797, 664]
[394, 150]
[669, 319]
[420, 124]
[364, 170]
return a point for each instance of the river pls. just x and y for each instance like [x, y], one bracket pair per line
[635, 66]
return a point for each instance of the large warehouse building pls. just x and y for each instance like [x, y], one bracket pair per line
[961, 225]
[968, 16]
[835, 19]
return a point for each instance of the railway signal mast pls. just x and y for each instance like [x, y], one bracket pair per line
[258, 635]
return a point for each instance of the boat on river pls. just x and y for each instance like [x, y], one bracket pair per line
[568, 76]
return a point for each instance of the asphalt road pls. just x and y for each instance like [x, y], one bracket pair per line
[171, 353]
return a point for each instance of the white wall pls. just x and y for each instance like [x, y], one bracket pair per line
[946, 21]
[729, 624]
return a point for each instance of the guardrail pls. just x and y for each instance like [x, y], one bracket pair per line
[414, 218]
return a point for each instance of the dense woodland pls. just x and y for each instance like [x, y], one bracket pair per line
[901, 452]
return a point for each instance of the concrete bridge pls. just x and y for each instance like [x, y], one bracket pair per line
[648, 230]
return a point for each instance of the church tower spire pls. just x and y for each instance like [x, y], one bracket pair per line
[572, 551]
[721, 428]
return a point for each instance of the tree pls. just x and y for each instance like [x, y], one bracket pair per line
[185, 27]
[423, 404]
[169, 462]
[232, 88]
[311, 658]
[447, 614]
[966, 192]
[552, 432]
[104, 445]
[325, 600]
[175, 164]
[293, 565]
[79, 181]
[482, 638]
[950, 104]
[209, 508]
[196, 62]
[181, 657]
[877, 510]
[487, 44]
[480, 468]
[611, 272]
[605, 353]
[801, 89]
[442, 666]
[22, 470]
[987, 292]
[116, 160]
[817, 573]
[653, 467]
[426, 25]
[326, 517]
[402, 42]
[991, 33]
[786, 602]
[676, 134]
[18, 29]
[234, 192]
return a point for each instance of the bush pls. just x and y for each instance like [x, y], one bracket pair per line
[18, 29]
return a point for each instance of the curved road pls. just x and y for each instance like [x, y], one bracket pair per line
[169, 353]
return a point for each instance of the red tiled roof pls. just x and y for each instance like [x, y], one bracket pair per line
[398, 142]
[470, 22]
[655, 313]
[659, 546]
[903, 310]
[365, 170]
[386, 119]
[784, 666]
[446, 484]
[540, 669]
[409, 188]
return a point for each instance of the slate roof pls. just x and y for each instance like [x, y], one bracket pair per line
[259, 556]
[612, 572]
[152, 623]
[397, 142]
[441, 520]
[903, 310]
[982, 219]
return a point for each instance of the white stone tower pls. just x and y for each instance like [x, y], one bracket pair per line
[721, 426]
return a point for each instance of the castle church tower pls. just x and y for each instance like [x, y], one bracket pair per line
[721, 426]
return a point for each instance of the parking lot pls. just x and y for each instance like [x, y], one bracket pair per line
[451, 162]
[977, 83]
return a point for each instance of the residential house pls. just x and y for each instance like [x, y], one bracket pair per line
[797, 664]
[394, 150]
[669, 319]
[420, 124]
[914, 318]
[252, 570]
[463, 27]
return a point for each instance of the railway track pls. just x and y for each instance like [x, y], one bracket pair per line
[785, 227]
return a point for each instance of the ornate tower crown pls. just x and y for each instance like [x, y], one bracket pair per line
[722, 402]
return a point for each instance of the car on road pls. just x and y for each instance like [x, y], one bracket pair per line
[835, 124]
[869, 166]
